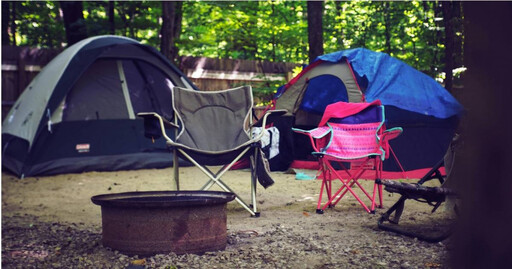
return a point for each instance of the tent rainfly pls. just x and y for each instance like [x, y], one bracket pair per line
[426, 111]
[79, 113]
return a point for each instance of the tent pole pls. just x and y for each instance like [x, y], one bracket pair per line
[126, 92]
[176, 182]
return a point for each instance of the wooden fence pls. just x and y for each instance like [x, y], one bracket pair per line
[21, 64]
[215, 74]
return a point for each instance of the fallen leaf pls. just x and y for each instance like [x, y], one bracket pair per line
[139, 262]
[432, 265]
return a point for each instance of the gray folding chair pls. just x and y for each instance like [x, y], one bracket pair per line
[214, 128]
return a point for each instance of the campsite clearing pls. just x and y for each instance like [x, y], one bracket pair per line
[51, 222]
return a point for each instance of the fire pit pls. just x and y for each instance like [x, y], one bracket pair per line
[159, 222]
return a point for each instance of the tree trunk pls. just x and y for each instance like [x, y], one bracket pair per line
[387, 22]
[458, 51]
[13, 23]
[482, 238]
[449, 44]
[74, 22]
[437, 38]
[111, 17]
[178, 19]
[6, 16]
[340, 35]
[171, 28]
[315, 30]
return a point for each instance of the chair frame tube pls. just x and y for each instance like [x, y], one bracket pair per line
[215, 178]
[327, 173]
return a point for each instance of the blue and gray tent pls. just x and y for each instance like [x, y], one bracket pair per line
[79, 113]
[426, 111]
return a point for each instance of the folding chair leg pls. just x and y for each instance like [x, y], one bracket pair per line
[322, 188]
[328, 188]
[239, 200]
[326, 185]
[353, 180]
[176, 167]
[349, 188]
[375, 190]
[226, 188]
[215, 179]
[253, 184]
[329, 192]
[348, 185]
[377, 180]
[380, 195]
[345, 190]
[377, 187]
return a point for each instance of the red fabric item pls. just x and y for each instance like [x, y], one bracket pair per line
[343, 109]
[241, 164]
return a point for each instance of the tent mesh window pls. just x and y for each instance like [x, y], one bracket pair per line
[118, 89]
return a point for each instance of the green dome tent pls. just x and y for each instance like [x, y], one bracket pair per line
[79, 113]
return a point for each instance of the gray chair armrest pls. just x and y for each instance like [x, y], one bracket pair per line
[270, 116]
[150, 118]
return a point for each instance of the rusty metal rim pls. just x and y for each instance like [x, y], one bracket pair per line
[161, 199]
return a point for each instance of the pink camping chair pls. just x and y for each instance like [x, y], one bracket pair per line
[352, 137]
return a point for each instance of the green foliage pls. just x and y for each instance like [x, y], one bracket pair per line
[273, 30]
[264, 91]
[135, 19]
[39, 24]
[412, 29]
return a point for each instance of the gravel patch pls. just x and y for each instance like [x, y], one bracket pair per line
[50, 222]
[30, 243]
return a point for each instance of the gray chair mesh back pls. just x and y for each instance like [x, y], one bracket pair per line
[212, 121]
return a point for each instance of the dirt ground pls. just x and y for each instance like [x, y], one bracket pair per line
[349, 235]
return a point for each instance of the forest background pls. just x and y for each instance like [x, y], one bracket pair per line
[428, 35]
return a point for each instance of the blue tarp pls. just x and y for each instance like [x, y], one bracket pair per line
[398, 84]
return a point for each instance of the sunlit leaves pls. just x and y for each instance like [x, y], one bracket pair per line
[269, 30]
[257, 30]
[408, 29]
[39, 24]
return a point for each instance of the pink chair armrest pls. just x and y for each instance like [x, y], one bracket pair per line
[314, 135]
[390, 134]
[387, 135]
